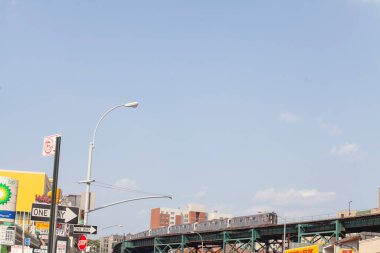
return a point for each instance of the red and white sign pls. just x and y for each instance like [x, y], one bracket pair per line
[82, 243]
[48, 148]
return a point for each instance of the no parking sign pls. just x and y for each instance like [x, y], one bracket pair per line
[48, 148]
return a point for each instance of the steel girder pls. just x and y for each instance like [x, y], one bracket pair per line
[307, 233]
[240, 242]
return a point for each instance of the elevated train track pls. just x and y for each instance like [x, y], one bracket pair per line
[267, 238]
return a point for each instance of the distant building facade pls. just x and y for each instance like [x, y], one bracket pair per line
[164, 217]
[107, 243]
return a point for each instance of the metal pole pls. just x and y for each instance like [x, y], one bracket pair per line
[349, 208]
[88, 184]
[201, 240]
[54, 195]
[55, 230]
[284, 239]
[23, 232]
[129, 200]
[89, 167]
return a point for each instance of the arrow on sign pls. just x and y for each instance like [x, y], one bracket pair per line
[69, 215]
[92, 230]
[41, 212]
[83, 229]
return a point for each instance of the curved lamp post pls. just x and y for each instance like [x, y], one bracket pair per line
[349, 208]
[284, 239]
[118, 225]
[284, 235]
[88, 181]
[192, 232]
[130, 200]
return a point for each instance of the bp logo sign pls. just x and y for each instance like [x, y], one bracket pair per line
[5, 193]
[8, 199]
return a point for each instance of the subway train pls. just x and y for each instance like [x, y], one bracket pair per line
[212, 225]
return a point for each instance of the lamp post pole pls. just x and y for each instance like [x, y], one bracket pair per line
[200, 236]
[130, 200]
[88, 180]
[284, 238]
[349, 208]
[117, 225]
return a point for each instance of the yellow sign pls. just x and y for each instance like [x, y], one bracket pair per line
[346, 251]
[308, 249]
[42, 225]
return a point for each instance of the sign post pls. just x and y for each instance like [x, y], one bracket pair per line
[48, 149]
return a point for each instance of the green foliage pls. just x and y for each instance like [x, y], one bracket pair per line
[95, 245]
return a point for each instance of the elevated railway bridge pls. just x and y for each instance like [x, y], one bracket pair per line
[267, 238]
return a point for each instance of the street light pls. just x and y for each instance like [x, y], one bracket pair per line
[349, 208]
[120, 226]
[284, 239]
[130, 200]
[91, 149]
[193, 232]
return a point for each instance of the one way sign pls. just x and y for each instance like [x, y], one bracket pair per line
[82, 229]
[65, 214]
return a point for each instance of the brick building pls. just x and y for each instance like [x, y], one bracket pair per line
[164, 217]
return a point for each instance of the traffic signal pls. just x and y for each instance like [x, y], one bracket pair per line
[58, 196]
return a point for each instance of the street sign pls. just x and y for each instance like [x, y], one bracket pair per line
[42, 249]
[65, 214]
[8, 199]
[82, 229]
[62, 243]
[82, 243]
[7, 235]
[48, 148]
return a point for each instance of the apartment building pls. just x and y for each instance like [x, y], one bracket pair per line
[107, 243]
[164, 217]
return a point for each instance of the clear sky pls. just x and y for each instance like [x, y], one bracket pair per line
[245, 106]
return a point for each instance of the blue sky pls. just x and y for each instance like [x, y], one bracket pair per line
[245, 106]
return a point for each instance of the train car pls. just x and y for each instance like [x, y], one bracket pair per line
[211, 225]
[159, 231]
[181, 229]
[253, 220]
[139, 235]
